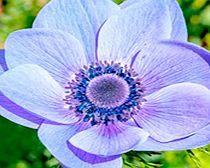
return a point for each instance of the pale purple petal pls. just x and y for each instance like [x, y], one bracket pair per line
[3, 65]
[32, 88]
[10, 110]
[17, 114]
[57, 52]
[81, 18]
[17, 119]
[202, 52]
[90, 158]
[179, 29]
[109, 140]
[197, 140]
[55, 138]
[166, 63]
[126, 33]
[175, 111]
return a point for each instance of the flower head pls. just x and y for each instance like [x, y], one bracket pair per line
[98, 80]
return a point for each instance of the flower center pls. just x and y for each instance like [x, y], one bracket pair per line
[107, 91]
[103, 93]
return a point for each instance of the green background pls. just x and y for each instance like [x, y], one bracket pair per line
[20, 147]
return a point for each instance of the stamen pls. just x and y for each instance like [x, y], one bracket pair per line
[104, 92]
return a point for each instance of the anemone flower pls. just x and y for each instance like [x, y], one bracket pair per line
[98, 80]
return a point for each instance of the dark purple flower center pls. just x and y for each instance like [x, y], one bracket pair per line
[103, 93]
[107, 91]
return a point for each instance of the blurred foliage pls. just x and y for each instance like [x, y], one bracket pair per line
[17, 14]
[197, 15]
[20, 147]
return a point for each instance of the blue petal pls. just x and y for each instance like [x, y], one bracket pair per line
[109, 140]
[32, 88]
[126, 33]
[12, 111]
[55, 138]
[90, 158]
[3, 65]
[17, 114]
[199, 139]
[57, 52]
[202, 52]
[175, 111]
[179, 28]
[169, 62]
[81, 18]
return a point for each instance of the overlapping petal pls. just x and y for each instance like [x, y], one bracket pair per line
[12, 111]
[125, 34]
[175, 111]
[202, 52]
[57, 52]
[20, 116]
[109, 140]
[32, 88]
[166, 63]
[199, 139]
[179, 29]
[81, 18]
[55, 138]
